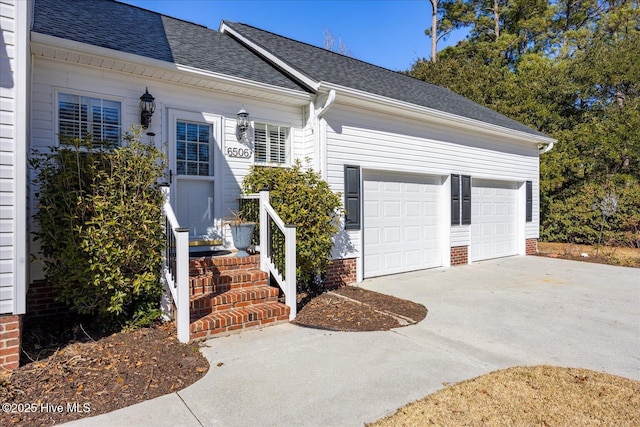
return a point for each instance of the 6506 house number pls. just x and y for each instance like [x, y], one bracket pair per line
[243, 153]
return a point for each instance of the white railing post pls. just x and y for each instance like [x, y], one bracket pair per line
[290, 269]
[182, 282]
[264, 229]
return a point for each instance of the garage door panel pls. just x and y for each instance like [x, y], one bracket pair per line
[494, 219]
[392, 210]
[407, 237]
[392, 235]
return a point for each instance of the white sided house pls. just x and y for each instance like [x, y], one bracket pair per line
[429, 178]
[15, 17]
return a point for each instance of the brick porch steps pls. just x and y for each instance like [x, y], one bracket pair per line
[230, 294]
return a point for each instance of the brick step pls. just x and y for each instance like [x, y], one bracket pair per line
[216, 283]
[239, 319]
[207, 265]
[204, 304]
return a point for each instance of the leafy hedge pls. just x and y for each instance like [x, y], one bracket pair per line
[100, 227]
[301, 197]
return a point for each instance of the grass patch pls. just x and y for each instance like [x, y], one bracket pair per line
[528, 396]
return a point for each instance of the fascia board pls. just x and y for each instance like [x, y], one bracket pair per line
[273, 59]
[442, 117]
[47, 41]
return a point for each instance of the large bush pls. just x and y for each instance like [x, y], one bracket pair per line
[302, 198]
[101, 229]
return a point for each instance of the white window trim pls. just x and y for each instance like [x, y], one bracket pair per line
[289, 143]
[65, 91]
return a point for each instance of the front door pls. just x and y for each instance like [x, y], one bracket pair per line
[192, 150]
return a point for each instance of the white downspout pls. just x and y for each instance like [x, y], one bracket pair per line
[546, 148]
[330, 100]
[320, 134]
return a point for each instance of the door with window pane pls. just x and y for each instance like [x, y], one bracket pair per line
[194, 175]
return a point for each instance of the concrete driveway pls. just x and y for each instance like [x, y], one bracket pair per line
[482, 317]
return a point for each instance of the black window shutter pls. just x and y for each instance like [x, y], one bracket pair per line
[466, 200]
[455, 199]
[529, 201]
[352, 197]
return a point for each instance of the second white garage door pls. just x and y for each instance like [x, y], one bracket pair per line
[494, 227]
[401, 223]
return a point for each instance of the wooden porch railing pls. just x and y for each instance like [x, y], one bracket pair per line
[176, 267]
[278, 251]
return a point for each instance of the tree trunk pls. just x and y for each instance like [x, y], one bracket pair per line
[496, 18]
[434, 28]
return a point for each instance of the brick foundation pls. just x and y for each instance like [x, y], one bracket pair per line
[531, 246]
[340, 272]
[10, 332]
[459, 255]
[41, 301]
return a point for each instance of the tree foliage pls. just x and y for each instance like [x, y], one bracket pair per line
[569, 69]
[100, 227]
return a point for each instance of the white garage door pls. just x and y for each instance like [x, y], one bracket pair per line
[494, 228]
[401, 219]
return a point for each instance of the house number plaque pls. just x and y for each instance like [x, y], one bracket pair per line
[242, 153]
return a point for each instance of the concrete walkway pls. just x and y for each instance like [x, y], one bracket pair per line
[482, 317]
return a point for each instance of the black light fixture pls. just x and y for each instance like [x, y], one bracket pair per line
[147, 107]
[243, 124]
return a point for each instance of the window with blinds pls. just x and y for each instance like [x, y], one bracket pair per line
[271, 144]
[80, 116]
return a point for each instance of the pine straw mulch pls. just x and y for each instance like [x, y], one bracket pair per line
[98, 375]
[89, 377]
[67, 364]
[527, 396]
[355, 309]
[612, 255]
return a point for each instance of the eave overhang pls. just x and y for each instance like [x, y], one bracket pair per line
[46, 46]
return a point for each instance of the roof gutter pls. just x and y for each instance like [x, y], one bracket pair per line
[441, 116]
[546, 148]
[45, 41]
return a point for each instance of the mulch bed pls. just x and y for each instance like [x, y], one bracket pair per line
[70, 365]
[355, 309]
[95, 377]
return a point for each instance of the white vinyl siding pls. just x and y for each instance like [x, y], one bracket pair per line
[14, 134]
[383, 141]
[271, 144]
[55, 76]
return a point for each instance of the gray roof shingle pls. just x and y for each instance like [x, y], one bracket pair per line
[323, 65]
[126, 28]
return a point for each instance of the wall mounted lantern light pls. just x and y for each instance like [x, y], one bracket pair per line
[147, 107]
[243, 124]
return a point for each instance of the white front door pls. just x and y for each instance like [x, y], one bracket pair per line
[191, 160]
[401, 215]
[494, 220]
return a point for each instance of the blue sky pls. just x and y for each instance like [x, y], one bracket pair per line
[388, 33]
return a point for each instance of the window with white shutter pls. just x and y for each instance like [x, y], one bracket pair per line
[271, 144]
[79, 116]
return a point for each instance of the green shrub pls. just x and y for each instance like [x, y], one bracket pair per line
[302, 198]
[101, 229]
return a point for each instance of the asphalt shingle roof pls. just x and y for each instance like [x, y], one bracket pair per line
[126, 28]
[323, 65]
